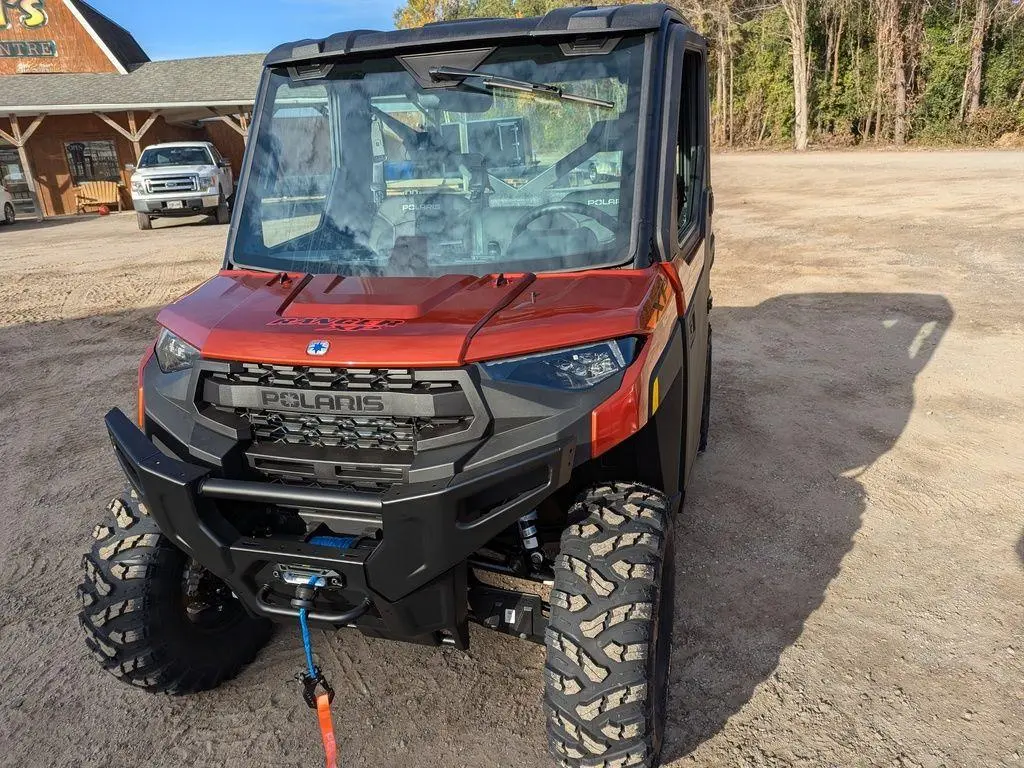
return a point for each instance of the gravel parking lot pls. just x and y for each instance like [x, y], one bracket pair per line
[850, 556]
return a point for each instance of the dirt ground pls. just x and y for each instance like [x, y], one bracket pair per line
[850, 555]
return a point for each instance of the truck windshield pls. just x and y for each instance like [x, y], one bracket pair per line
[159, 157]
[400, 166]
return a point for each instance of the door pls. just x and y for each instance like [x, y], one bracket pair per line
[687, 237]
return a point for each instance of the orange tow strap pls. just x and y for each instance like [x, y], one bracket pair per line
[323, 712]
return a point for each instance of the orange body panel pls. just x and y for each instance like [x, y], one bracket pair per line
[448, 321]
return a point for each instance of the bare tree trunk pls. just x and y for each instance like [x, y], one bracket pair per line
[970, 99]
[839, 40]
[720, 91]
[899, 88]
[732, 83]
[796, 15]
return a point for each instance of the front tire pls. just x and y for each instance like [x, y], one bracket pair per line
[9, 214]
[609, 636]
[223, 213]
[145, 221]
[140, 612]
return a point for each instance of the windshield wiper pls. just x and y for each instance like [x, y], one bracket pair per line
[489, 80]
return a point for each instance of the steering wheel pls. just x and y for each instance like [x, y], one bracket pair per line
[606, 220]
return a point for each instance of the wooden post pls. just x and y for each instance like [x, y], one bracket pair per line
[135, 135]
[19, 140]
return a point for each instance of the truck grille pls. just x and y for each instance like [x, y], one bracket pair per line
[291, 430]
[159, 184]
[350, 432]
[335, 379]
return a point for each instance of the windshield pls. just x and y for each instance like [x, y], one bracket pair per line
[365, 171]
[159, 157]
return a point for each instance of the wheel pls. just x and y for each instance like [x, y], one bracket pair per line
[145, 220]
[9, 214]
[153, 617]
[223, 213]
[705, 412]
[609, 636]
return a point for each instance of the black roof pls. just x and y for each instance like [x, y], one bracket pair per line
[590, 20]
[119, 41]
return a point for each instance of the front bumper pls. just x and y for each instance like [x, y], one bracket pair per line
[192, 203]
[414, 575]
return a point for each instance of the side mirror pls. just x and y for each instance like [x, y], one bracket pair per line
[129, 167]
[224, 164]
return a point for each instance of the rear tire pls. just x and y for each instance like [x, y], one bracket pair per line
[145, 220]
[9, 214]
[609, 637]
[140, 612]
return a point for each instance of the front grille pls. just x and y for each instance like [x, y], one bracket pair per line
[298, 439]
[173, 184]
[389, 433]
[335, 379]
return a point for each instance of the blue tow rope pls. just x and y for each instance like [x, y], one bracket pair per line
[314, 678]
[307, 643]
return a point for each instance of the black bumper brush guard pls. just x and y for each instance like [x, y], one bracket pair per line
[407, 578]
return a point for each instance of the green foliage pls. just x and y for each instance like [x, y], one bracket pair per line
[763, 81]
[844, 101]
[944, 59]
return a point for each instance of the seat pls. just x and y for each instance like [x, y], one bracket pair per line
[97, 193]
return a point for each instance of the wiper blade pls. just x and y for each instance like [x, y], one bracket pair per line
[489, 80]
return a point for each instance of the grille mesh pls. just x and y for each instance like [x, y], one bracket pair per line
[389, 433]
[342, 379]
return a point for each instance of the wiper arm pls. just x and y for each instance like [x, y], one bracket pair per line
[489, 80]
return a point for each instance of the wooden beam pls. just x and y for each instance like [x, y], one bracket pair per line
[26, 166]
[32, 128]
[147, 125]
[8, 137]
[109, 121]
[234, 124]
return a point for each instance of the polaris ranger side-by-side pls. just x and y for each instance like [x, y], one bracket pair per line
[461, 329]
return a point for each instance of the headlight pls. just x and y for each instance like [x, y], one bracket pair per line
[574, 368]
[205, 182]
[138, 185]
[174, 354]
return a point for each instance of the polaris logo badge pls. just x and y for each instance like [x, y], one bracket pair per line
[321, 401]
[318, 348]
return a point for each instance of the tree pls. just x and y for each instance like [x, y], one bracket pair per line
[970, 101]
[796, 16]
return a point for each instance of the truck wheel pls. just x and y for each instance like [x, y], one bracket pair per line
[9, 214]
[223, 213]
[705, 412]
[153, 617]
[609, 636]
[145, 220]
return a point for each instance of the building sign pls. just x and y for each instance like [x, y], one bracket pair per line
[18, 49]
[29, 13]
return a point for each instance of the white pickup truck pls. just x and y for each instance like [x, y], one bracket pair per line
[182, 179]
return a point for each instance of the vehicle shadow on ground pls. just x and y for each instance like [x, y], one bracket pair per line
[807, 391]
[1020, 549]
[27, 222]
